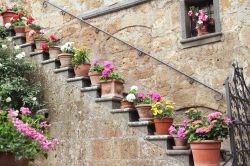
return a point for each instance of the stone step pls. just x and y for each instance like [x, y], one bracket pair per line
[178, 152]
[67, 72]
[130, 113]
[51, 63]
[27, 47]
[11, 32]
[39, 56]
[92, 91]
[110, 102]
[80, 81]
[146, 127]
[165, 141]
[18, 40]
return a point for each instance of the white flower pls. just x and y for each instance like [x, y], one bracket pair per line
[130, 97]
[17, 47]
[4, 46]
[8, 100]
[11, 19]
[9, 38]
[34, 98]
[20, 55]
[7, 25]
[24, 18]
[134, 88]
[1, 65]
[200, 22]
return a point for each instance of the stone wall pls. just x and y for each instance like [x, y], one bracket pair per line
[155, 27]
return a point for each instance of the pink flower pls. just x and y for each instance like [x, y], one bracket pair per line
[155, 96]
[106, 72]
[107, 64]
[42, 31]
[181, 133]
[190, 13]
[197, 14]
[12, 113]
[44, 124]
[200, 130]
[31, 33]
[141, 95]
[214, 115]
[25, 110]
[96, 62]
[172, 130]
[197, 122]
[185, 122]
[227, 120]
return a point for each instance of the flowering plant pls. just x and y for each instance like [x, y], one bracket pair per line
[163, 109]
[24, 134]
[13, 6]
[41, 35]
[68, 48]
[52, 41]
[131, 97]
[150, 98]
[45, 47]
[30, 22]
[18, 19]
[96, 66]
[3, 32]
[178, 131]
[81, 56]
[108, 72]
[211, 127]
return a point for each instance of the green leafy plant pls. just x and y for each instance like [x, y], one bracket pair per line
[3, 32]
[96, 66]
[108, 73]
[211, 127]
[34, 26]
[81, 56]
[163, 109]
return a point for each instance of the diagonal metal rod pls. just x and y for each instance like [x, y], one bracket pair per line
[140, 51]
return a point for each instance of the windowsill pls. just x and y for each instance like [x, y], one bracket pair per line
[110, 9]
[201, 40]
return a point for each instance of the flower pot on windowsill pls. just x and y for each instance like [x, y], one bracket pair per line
[54, 52]
[8, 159]
[180, 144]
[144, 111]
[39, 43]
[206, 152]
[112, 88]
[20, 30]
[95, 78]
[65, 59]
[82, 69]
[7, 16]
[127, 104]
[162, 125]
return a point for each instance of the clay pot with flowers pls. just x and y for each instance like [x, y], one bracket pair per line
[54, 50]
[31, 29]
[178, 133]
[23, 136]
[40, 39]
[95, 73]
[111, 82]
[201, 20]
[80, 61]
[205, 134]
[68, 50]
[18, 22]
[128, 101]
[7, 11]
[144, 105]
[163, 112]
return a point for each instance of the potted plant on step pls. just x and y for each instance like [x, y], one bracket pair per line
[178, 133]
[31, 29]
[23, 136]
[95, 73]
[54, 50]
[163, 112]
[128, 102]
[144, 105]
[111, 82]
[40, 39]
[68, 50]
[18, 22]
[80, 61]
[7, 11]
[205, 134]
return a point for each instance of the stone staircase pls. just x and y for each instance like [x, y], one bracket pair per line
[143, 129]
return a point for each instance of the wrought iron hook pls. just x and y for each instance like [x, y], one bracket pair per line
[45, 5]
[63, 12]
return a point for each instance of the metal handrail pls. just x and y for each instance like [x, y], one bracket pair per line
[140, 51]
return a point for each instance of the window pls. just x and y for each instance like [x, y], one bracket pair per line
[200, 22]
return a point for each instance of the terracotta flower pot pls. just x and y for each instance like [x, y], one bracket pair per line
[95, 78]
[206, 152]
[112, 88]
[8, 159]
[39, 43]
[65, 59]
[162, 125]
[179, 142]
[7, 16]
[20, 30]
[127, 104]
[54, 52]
[28, 37]
[144, 111]
[82, 69]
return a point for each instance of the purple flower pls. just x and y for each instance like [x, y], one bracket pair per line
[155, 96]
[106, 72]
[25, 110]
[172, 130]
[107, 64]
[141, 95]
[181, 133]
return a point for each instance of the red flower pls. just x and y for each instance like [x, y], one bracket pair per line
[45, 47]
[15, 17]
[20, 14]
[30, 19]
[53, 38]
